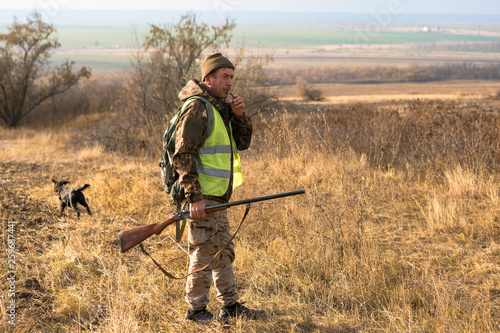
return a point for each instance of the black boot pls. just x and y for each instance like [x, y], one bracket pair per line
[202, 316]
[237, 309]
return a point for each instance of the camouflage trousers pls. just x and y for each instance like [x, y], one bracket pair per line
[205, 238]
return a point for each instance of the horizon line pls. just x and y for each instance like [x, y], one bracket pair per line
[248, 11]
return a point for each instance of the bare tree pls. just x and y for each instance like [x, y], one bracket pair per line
[169, 59]
[26, 77]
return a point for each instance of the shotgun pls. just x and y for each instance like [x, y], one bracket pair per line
[131, 237]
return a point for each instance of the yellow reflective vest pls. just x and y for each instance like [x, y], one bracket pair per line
[213, 162]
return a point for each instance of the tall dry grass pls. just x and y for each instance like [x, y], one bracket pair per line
[399, 229]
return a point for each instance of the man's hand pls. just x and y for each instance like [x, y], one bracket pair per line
[237, 106]
[197, 210]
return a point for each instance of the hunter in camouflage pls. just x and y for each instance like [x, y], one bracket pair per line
[208, 233]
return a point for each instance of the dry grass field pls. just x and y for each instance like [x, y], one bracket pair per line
[396, 93]
[399, 229]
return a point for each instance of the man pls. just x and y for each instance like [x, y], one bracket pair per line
[209, 170]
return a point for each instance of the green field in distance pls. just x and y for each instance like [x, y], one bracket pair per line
[268, 37]
[291, 37]
[106, 47]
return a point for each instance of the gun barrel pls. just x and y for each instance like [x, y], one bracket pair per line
[131, 237]
[242, 202]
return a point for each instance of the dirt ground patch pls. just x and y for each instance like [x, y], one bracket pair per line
[32, 232]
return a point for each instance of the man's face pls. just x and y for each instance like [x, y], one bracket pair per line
[220, 82]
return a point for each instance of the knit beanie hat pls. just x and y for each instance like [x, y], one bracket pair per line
[214, 62]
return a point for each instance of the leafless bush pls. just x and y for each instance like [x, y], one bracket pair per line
[304, 90]
[99, 94]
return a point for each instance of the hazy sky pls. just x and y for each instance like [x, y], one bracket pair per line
[367, 6]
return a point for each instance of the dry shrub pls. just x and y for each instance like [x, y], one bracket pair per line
[304, 90]
[125, 132]
[424, 135]
[97, 95]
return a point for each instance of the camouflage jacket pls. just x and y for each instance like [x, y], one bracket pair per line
[191, 134]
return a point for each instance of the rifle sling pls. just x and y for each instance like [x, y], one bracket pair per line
[204, 267]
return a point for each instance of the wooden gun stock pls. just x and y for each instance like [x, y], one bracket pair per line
[132, 237]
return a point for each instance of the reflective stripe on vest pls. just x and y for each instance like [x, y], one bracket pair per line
[213, 162]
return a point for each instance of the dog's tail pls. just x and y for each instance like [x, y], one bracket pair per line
[83, 187]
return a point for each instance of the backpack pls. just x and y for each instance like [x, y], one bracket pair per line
[169, 175]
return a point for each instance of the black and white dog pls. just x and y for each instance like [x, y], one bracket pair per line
[71, 196]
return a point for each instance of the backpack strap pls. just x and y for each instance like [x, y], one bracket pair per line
[208, 107]
[180, 226]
